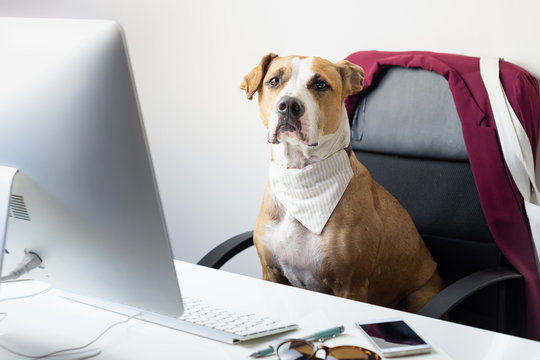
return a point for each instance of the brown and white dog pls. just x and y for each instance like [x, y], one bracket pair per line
[368, 248]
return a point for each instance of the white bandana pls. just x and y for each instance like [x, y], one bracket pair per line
[311, 194]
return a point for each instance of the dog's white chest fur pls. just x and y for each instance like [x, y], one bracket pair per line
[297, 252]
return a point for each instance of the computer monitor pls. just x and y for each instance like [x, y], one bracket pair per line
[7, 174]
[85, 197]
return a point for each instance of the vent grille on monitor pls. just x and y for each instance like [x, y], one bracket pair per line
[17, 208]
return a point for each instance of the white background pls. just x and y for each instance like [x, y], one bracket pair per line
[207, 142]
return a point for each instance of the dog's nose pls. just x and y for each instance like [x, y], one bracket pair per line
[291, 106]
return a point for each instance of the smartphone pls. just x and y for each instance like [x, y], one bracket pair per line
[393, 337]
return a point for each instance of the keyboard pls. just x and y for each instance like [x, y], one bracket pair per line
[227, 326]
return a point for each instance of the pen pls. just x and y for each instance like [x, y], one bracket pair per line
[324, 334]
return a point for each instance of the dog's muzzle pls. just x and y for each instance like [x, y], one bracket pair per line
[289, 110]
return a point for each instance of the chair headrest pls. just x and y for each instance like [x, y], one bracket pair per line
[410, 112]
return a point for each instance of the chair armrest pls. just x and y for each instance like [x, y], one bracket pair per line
[455, 293]
[222, 253]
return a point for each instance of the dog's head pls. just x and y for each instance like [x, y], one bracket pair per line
[301, 98]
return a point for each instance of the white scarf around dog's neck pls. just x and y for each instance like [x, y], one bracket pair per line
[311, 194]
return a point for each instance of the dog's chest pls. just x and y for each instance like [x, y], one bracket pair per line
[297, 252]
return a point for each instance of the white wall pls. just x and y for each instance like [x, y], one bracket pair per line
[188, 58]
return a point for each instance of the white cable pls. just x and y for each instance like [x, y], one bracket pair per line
[29, 262]
[73, 349]
[47, 289]
[88, 354]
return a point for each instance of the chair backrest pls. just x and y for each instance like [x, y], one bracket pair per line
[407, 132]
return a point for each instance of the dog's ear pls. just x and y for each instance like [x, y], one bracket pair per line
[252, 81]
[352, 76]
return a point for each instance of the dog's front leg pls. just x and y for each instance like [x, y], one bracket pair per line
[270, 271]
[354, 290]
[275, 275]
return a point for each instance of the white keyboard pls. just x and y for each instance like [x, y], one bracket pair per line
[227, 326]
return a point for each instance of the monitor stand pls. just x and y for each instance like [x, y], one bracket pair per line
[7, 174]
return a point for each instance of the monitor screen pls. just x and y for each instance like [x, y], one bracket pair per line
[85, 197]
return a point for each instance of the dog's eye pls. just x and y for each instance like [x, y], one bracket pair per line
[273, 82]
[321, 85]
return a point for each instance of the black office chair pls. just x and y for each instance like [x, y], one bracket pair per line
[407, 132]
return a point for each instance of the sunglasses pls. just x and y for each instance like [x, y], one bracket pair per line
[294, 349]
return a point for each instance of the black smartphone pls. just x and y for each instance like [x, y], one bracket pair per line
[393, 337]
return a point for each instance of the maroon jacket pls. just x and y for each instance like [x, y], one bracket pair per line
[501, 201]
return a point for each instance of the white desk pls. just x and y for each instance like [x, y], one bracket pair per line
[49, 322]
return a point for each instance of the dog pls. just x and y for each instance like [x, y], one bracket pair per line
[325, 224]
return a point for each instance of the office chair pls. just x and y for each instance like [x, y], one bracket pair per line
[406, 131]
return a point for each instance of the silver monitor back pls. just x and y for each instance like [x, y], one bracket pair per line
[85, 198]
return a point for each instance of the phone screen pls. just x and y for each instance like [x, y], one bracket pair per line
[392, 334]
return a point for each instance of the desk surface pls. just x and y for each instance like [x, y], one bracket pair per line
[49, 322]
